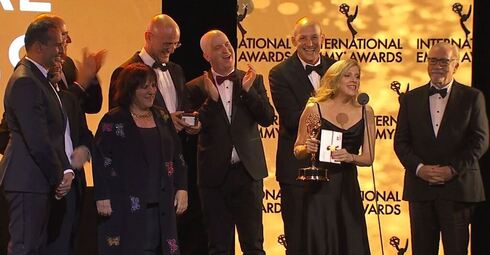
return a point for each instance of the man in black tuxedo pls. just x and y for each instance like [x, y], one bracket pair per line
[231, 163]
[35, 166]
[441, 133]
[64, 217]
[292, 82]
[162, 38]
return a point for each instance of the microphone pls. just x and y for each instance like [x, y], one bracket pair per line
[363, 99]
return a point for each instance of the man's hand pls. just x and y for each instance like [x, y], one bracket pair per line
[444, 172]
[249, 78]
[211, 90]
[180, 202]
[430, 174]
[80, 155]
[90, 65]
[65, 185]
[104, 207]
[179, 124]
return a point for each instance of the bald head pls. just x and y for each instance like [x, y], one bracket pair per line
[446, 47]
[306, 22]
[162, 37]
[442, 63]
[218, 51]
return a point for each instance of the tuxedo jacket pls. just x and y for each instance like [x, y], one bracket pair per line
[290, 89]
[91, 99]
[35, 158]
[176, 73]
[462, 139]
[218, 135]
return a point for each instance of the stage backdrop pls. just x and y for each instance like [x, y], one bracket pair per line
[114, 25]
[390, 40]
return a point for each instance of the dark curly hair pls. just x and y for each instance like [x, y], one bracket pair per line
[131, 78]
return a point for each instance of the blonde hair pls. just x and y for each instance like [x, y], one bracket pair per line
[330, 82]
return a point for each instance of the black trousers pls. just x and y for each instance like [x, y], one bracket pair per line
[237, 202]
[292, 212]
[63, 223]
[430, 219]
[29, 214]
[153, 233]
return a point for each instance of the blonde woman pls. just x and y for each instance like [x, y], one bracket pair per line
[335, 222]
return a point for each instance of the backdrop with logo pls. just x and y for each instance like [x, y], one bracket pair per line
[91, 24]
[390, 40]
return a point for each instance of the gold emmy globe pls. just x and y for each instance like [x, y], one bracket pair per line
[313, 173]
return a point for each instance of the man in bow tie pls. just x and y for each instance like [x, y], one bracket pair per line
[292, 82]
[231, 163]
[441, 133]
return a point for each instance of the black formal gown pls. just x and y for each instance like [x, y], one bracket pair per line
[335, 223]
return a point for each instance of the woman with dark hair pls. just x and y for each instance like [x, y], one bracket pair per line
[335, 222]
[139, 173]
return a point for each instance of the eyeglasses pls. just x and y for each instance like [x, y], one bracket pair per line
[440, 61]
[174, 45]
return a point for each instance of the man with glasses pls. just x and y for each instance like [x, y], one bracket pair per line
[292, 82]
[35, 166]
[161, 40]
[442, 131]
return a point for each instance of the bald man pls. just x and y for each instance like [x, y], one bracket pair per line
[292, 82]
[231, 163]
[162, 37]
[441, 133]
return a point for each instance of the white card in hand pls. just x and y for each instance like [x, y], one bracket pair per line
[330, 141]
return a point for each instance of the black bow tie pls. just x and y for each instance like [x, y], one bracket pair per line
[317, 69]
[161, 66]
[220, 79]
[442, 92]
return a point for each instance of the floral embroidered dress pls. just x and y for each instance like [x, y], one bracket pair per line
[122, 174]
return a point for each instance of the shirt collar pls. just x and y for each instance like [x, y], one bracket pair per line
[147, 59]
[41, 68]
[216, 74]
[304, 63]
[448, 86]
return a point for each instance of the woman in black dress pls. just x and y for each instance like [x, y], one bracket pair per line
[335, 223]
[139, 173]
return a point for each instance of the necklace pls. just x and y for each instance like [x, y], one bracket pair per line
[141, 116]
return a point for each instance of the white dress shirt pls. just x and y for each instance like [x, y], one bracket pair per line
[165, 84]
[313, 76]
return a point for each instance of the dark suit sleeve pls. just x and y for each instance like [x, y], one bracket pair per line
[102, 155]
[29, 105]
[112, 87]
[476, 137]
[284, 101]
[258, 104]
[403, 142]
[200, 102]
[4, 134]
[91, 98]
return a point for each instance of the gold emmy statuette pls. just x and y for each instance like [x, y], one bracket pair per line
[313, 173]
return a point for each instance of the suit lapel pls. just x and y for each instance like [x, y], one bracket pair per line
[176, 80]
[38, 75]
[451, 107]
[237, 89]
[425, 106]
[299, 73]
[220, 102]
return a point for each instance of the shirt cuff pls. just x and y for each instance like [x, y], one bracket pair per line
[418, 168]
[80, 86]
[69, 171]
